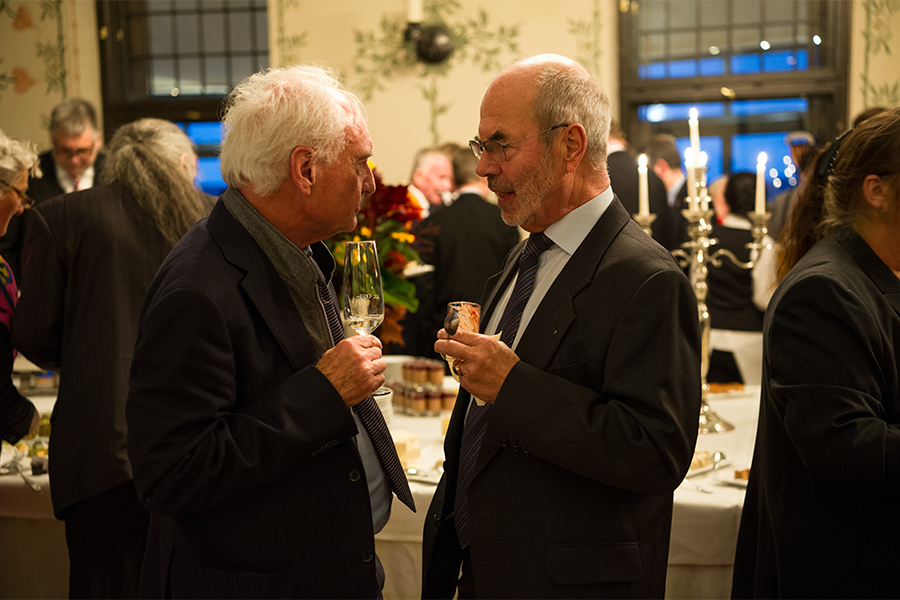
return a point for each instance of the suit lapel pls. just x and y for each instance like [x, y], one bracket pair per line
[880, 274]
[263, 286]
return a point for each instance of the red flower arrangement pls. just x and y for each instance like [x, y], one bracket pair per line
[387, 216]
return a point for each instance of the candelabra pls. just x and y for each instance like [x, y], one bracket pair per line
[698, 255]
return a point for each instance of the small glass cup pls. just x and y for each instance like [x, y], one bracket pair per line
[469, 314]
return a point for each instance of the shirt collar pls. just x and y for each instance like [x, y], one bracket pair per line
[570, 231]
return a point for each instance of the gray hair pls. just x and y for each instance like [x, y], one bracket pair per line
[423, 157]
[72, 117]
[567, 95]
[15, 157]
[145, 157]
[272, 112]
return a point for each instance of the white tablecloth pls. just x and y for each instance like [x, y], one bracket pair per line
[704, 526]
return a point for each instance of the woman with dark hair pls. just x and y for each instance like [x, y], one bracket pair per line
[88, 260]
[822, 511]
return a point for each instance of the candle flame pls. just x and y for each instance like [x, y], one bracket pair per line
[688, 155]
[761, 160]
[642, 161]
[694, 114]
[703, 159]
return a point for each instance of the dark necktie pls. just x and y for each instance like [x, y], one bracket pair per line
[476, 420]
[370, 414]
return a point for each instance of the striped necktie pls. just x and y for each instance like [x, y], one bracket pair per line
[476, 419]
[370, 414]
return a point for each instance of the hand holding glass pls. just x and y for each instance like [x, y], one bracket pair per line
[363, 297]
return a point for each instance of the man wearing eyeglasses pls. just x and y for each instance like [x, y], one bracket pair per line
[73, 163]
[573, 429]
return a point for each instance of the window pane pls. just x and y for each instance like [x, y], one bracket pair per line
[779, 10]
[652, 14]
[779, 36]
[186, 28]
[209, 175]
[162, 76]
[713, 13]
[241, 67]
[235, 4]
[160, 28]
[239, 31]
[682, 45]
[653, 47]
[712, 67]
[747, 11]
[683, 68]
[214, 32]
[262, 61]
[745, 40]
[262, 32]
[713, 42]
[186, 5]
[216, 76]
[190, 81]
[683, 14]
[744, 64]
[205, 133]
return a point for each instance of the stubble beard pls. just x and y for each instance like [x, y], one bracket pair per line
[531, 190]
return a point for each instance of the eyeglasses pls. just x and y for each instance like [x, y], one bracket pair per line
[25, 201]
[494, 149]
[69, 153]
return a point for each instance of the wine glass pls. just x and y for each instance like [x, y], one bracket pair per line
[362, 293]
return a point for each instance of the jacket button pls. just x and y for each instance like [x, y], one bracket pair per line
[366, 556]
[515, 448]
[354, 475]
[504, 443]
[437, 519]
[526, 452]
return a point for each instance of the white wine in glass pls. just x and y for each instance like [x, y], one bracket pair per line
[362, 293]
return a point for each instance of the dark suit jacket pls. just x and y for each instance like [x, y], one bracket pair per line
[590, 434]
[821, 517]
[242, 449]
[90, 257]
[466, 242]
[40, 189]
[623, 177]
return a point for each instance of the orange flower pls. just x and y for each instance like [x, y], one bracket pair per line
[23, 80]
[23, 19]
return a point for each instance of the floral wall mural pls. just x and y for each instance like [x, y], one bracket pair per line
[383, 55]
[50, 51]
[878, 87]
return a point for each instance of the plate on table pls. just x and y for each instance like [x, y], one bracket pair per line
[728, 478]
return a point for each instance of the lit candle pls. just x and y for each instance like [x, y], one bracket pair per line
[692, 181]
[643, 195]
[761, 183]
[413, 11]
[694, 125]
[704, 195]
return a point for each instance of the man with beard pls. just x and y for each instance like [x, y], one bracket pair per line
[572, 430]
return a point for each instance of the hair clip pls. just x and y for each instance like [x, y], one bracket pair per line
[829, 159]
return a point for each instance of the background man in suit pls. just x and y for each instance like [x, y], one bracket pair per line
[261, 480]
[466, 243]
[72, 164]
[664, 160]
[89, 259]
[432, 177]
[623, 177]
[561, 484]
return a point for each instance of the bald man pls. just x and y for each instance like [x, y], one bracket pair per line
[558, 480]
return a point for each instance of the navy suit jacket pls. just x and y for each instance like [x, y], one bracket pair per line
[242, 449]
[589, 436]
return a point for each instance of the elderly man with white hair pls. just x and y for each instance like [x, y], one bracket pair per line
[256, 443]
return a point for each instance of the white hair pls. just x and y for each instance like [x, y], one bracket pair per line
[567, 95]
[15, 157]
[272, 112]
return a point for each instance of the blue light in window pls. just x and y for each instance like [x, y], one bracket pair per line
[802, 60]
[712, 67]
[209, 175]
[745, 149]
[774, 105]
[778, 62]
[682, 68]
[743, 64]
[710, 144]
[655, 70]
[657, 113]
[205, 133]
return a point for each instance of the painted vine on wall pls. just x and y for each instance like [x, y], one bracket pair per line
[587, 40]
[383, 55]
[878, 34]
[288, 45]
[52, 53]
